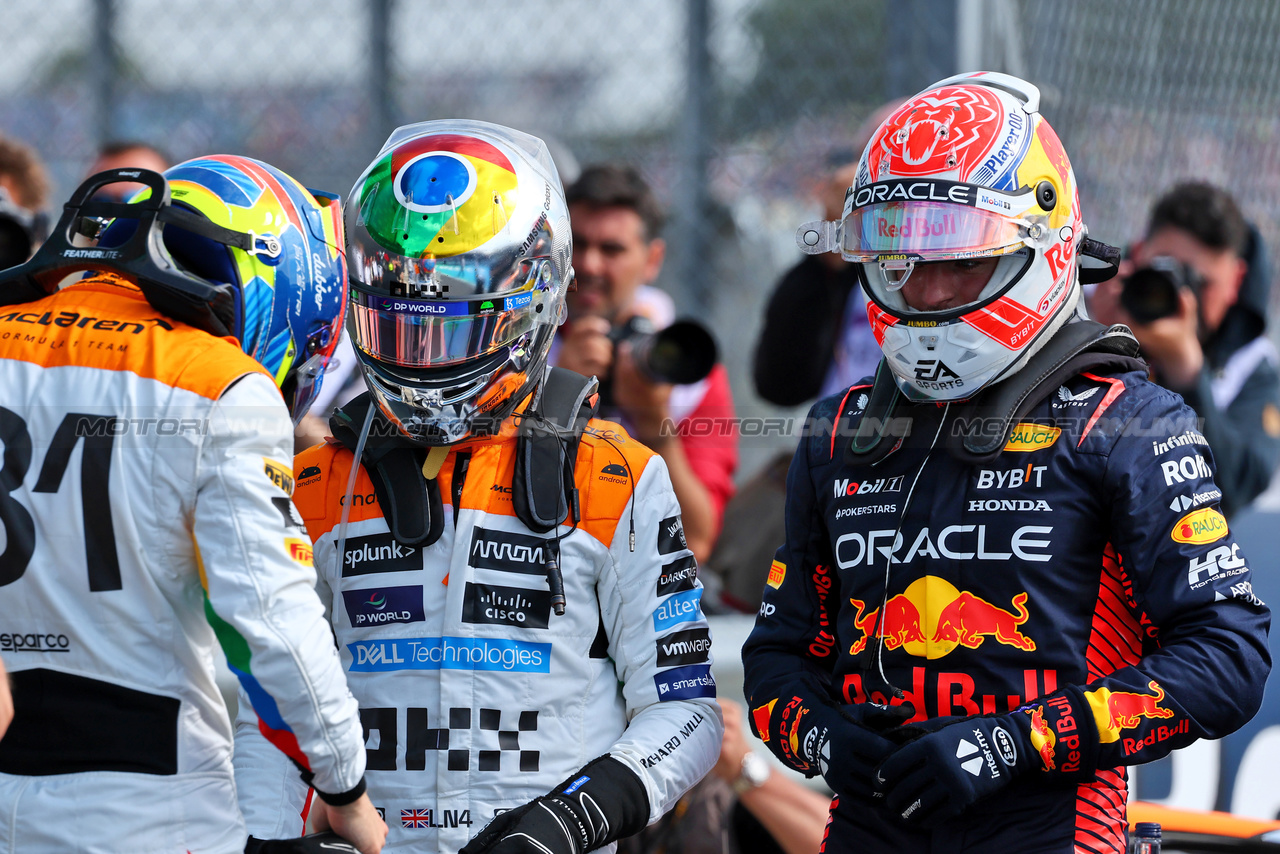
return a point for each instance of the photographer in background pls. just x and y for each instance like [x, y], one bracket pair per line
[24, 195]
[616, 252]
[1195, 295]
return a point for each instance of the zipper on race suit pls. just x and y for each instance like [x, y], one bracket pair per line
[460, 464]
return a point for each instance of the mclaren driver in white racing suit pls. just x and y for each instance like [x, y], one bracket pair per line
[515, 605]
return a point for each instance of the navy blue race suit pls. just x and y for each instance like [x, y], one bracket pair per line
[1089, 552]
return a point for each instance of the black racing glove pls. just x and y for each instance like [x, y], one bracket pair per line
[326, 842]
[945, 770]
[844, 744]
[600, 803]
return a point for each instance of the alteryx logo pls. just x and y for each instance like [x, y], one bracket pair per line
[384, 605]
[680, 608]
[379, 656]
[682, 683]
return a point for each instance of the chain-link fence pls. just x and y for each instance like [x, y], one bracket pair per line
[731, 107]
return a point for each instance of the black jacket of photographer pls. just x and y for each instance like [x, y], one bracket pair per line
[1237, 394]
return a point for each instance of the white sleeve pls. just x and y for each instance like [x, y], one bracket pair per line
[260, 588]
[660, 643]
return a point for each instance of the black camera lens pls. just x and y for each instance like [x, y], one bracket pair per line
[1153, 292]
[682, 353]
[15, 242]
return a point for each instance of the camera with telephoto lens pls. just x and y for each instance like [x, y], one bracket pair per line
[1154, 291]
[681, 353]
[21, 231]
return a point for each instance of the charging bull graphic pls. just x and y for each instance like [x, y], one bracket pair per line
[969, 618]
[1043, 738]
[1117, 710]
[931, 618]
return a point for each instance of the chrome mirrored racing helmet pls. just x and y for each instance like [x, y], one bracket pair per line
[967, 169]
[459, 256]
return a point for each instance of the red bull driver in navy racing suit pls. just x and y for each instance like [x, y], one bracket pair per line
[1005, 570]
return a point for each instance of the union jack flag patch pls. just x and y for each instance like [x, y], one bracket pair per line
[415, 818]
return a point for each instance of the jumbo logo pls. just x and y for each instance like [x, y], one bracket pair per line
[931, 618]
[1031, 437]
[1117, 710]
[1202, 526]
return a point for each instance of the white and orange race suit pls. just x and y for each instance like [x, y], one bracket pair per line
[144, 504]
[475, 696]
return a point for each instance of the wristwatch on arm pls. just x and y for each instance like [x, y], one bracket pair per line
[755, 771]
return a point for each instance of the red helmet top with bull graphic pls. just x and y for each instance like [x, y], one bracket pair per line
[964, 180]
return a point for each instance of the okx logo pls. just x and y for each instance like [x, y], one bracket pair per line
[384, 605]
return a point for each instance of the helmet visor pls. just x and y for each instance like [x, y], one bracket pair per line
[432, 333]
[927, 231]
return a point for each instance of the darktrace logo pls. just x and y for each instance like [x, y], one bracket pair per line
[508, 552]
[613, 473]
[689, 647]
[384, 605]
[678, 575]
[671, 535]
[492, 604]
[378, 553]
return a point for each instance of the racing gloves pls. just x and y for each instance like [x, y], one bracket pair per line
[845, 744]
[602, 802]
[952, 763]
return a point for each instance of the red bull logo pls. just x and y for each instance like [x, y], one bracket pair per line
[1042, 738]
[931, 618]
[760, 716]
[1118, 710]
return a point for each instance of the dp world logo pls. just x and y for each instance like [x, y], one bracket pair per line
[384, 605]
[377, 601]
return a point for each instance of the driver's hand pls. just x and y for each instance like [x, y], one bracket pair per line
[357, 822]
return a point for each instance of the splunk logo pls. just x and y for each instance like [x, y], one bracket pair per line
[377, 553]
[680, 608]
[508, 552]
[494, 604]
[447, 653]
[384, 605]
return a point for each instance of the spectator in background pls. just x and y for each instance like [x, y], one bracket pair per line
[126, 154]
[1214, 350]
[818, 302]
[24, 199]
[616, 253]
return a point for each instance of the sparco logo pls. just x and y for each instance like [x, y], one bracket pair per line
[34, 642]
[508, 552]
[691, 647]
[493, 604]
[678, 575]
[377, 553]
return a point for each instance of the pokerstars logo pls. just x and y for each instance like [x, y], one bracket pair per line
[844, 487]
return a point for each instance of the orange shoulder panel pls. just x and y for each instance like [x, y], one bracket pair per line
[320, 487]
[610, 464]
[105, 323]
